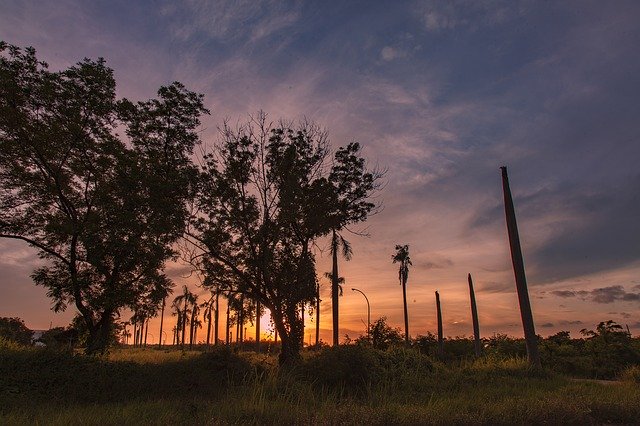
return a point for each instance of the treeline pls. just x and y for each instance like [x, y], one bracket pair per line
[107, 191]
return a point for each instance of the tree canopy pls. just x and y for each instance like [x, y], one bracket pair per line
[102, 209]
[266, 194]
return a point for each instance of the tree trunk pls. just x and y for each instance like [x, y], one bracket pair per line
[216, 318]
[334, 287]
[531, 340]
[474, 317]
[257, 325]
[227, 326]
[184, 322]
[440, 333]
[406, 312]
[209, 326]
[291, 340]
[161, 321]
[318, 315]
[146, 331]
[99, 335]
[135, 333]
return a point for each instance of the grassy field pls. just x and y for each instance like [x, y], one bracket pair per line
[350, 385]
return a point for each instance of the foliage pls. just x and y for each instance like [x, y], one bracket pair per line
[266, 194]
[15, 329]
[350, 368]
[102, 210]
[145, 386]
[383, 335]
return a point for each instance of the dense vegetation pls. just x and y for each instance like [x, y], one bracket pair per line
[347, 384]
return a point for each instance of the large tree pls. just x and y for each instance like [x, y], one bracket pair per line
[267, 194]
[103, 209]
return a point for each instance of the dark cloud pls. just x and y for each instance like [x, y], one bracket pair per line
[445, 263]
[600, 295]
[573, 322]
[547, 325]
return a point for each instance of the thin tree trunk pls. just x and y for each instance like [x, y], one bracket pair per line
[161, 322]
[216, 318]
[318, 315]
[135, 333]
[406, 312]
[531, 340]
[302, 309]
[474, 317]
[146, 332]
[334, 287]
[209, 326]
[227, 326]
[184, 322]
[257, 325]
[440, 334]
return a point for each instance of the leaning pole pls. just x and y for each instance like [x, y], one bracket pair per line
[440, 333]
[474, 317]
[530, 338]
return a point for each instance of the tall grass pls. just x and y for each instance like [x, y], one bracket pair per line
[345, 385]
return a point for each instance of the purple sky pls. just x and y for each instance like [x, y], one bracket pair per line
[441, 94]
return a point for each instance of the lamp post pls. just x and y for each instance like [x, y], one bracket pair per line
[368, 311]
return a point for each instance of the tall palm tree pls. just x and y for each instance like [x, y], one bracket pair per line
[207, 314]
[338, 243]
[185, 299]
[402, 257]
[195, 322]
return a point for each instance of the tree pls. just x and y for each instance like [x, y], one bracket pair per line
[337, 242]
[181, 305]
[15, 329]
[101, 209]
[383, 335]
[267, 193]
[402, 257]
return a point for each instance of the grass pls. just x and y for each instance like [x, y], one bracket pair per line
[149, 386]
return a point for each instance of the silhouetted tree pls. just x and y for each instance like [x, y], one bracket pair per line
[402, 257]
[383, 335]
[181, 304]
[530, 337]
[338, 243]
[266, 195]
[15, 329]
[102, 210]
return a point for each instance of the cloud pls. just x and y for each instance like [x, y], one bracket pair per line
[547, 325]
[389, 53]
[602, 295]
[228, 21]
[573, 322]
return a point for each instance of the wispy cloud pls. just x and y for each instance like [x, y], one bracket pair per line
[600, 295]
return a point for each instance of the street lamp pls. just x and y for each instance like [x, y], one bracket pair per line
[368, 311]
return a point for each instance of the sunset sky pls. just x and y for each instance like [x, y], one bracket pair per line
[441, 94]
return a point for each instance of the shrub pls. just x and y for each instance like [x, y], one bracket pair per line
[631, 374]
[346, 367]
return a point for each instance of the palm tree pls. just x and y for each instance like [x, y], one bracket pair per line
[208, 310]
[195, 322]
[337, 242]
[186, 298]
[164, 301]
[402, 257]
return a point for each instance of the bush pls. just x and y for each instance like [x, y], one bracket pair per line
[631, 374]
[14, 329]
[346, 367]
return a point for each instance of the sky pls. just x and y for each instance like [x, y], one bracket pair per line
[440, 94]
